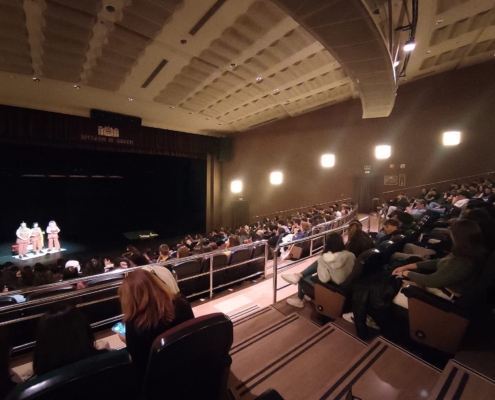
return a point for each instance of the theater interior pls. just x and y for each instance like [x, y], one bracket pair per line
[143, 121]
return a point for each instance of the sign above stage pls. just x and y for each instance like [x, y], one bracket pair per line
[42, 128]
[107, 134]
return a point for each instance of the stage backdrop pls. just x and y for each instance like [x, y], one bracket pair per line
[95, 196]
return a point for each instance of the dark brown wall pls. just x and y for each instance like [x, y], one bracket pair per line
[458, 100]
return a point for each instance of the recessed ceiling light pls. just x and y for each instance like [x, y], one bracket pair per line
[233, 65]
[36, 79]
[183, 41]
[207, 119]
[171, 107]
[219, 124]
[110, 8]
[130, 99]
[275, 91]
[439, 21]
[191, 113]
[258, 78]
[77, 87]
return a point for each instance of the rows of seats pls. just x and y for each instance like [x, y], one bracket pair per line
[188, 362]
[190, 283]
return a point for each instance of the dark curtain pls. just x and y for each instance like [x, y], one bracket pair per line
[365, 190]
[41, 128]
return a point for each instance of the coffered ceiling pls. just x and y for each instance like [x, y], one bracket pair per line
[220, 66]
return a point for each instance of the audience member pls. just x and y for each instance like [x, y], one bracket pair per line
[63, 337]
[6, 374]
[357, 240]
[451, 276]
[149, 310]
[335, 264]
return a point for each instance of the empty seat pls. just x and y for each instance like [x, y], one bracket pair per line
[190, 361]
[241, 271]
[7, 301]
[105, 376]
[188, 269]
[257, 266]
[110, 306]
[219, 261]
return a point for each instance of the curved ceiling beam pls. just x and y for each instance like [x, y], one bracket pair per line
[347, 30]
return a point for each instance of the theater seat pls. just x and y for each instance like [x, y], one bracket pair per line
[434, 321]
[219, 261]
[55, 291]
[108, 376]
[329, 297]
[7, 301]
[190, 361]
[188, 269]
[105, 279]
[441, 324]
[257, 266]
[240, 271]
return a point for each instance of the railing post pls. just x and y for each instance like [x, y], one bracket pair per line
[211, 277]
[311, 247]
[266, 256]
[369, 224]
[275, 259]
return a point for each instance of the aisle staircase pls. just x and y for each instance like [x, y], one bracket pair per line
[280, 348]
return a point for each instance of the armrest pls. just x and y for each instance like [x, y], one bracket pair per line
[332, 286]
[423, 295]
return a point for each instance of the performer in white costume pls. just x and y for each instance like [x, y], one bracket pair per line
[23, 234]
[53, 231]
[36, 238]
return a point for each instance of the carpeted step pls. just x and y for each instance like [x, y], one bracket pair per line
[250, 324]
[382, 371]
[459, 382]
[296, 359]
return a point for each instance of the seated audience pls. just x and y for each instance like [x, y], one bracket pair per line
[451, 276]
[149, 309]
[390, 229]
[357, 240]
[6, 374]
[63, 337]
[164, 253]
[92, 267]
[335, 264]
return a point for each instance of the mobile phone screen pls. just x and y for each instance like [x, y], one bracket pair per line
[119, 327]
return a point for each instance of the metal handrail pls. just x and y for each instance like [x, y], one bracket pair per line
[343, 227]
[301, 208]
[402, 189]
[110, 285]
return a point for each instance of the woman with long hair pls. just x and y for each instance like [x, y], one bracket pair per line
[451, 276]
[357, 240]
[335, 264]
[149, 309]
[63, 337]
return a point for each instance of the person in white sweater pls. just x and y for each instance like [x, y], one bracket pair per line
[334, 265]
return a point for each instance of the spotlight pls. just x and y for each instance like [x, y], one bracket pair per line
[276, 178]
[327, 160]
[452, 138]
[258, 78]
[410, 45]
[130, 99]
[36, 79]
[382, 152]
[236, 186]
[233, 65]
[77, 87]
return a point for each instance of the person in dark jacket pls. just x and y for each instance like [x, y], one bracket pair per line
[357, 240]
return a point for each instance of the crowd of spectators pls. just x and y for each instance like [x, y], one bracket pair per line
[152, 304]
